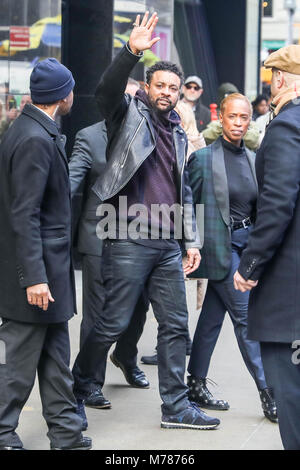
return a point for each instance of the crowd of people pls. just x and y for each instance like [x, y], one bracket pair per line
[157, 146]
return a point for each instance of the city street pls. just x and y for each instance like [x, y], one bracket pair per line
[133, 423]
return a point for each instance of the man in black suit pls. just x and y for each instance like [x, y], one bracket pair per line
[271, 263]
[87, 162]
[37, 289]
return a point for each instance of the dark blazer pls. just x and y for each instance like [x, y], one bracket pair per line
[273, 252]
[35, 219]
[209, 185]
[87, 162]
[202, 115]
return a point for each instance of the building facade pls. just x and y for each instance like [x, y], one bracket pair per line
[275, 24]
[217, 40]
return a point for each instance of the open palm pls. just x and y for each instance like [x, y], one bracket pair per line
[140, 37]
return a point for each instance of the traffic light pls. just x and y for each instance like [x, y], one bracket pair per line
[268, 8]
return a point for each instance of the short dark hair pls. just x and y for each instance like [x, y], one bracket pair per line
[259, 99]
[167, 66]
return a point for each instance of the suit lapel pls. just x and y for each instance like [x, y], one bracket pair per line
[220, 180]
[251, 160]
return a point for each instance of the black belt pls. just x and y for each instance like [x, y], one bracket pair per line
[240, 224]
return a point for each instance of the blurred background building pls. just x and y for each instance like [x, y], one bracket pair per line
[280, 27]
[218, 40]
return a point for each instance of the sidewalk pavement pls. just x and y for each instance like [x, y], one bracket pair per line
[133, 422]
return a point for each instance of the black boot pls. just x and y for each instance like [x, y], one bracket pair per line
[199, 393]
[268, 404]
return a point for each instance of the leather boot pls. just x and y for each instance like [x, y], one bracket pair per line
[199, 393]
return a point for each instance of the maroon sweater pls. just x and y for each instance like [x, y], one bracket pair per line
[155, 180]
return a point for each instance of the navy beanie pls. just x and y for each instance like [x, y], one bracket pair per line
[50, 81]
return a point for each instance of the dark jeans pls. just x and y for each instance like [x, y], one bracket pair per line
[93, 296]
[44, 349]
[129, 268]
[221, 296]
[283, 376]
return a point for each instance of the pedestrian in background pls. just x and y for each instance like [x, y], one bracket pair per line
[260, 106]
[192, 92]
[87, 163]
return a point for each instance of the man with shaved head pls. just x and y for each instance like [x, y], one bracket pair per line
[271, 263]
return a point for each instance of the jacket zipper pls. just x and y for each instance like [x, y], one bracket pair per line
[126, 155]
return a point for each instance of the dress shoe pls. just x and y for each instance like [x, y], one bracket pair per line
[84, 443]
[80, 411]
[149, 360]
[268, 404]
[199, 393]
[152, 360]
[134, 376]
[96, 399]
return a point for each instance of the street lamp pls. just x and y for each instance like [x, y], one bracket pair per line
[290, 6]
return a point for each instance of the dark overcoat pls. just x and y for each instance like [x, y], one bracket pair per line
[273, 253]
[209, 185]
[35, 219]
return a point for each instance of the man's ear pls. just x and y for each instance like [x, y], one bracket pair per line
[280, 79]
[146, 88]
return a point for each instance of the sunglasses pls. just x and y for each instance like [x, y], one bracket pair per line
[196, 87]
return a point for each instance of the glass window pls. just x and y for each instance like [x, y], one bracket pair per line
[268, 8]
[125, 14]
[30, 30]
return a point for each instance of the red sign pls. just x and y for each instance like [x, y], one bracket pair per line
[19, 36]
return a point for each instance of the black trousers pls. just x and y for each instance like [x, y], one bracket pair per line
[282, 369]
[26, 349]
[221, 297]
[93, 297]
[129, 269]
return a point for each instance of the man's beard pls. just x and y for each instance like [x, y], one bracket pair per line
[154, 104]
[192, 99]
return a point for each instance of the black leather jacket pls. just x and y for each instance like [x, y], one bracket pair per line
[131, 139]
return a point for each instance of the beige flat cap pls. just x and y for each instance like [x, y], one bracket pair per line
[286, 59]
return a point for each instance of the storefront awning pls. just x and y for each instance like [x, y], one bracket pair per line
[273, 44]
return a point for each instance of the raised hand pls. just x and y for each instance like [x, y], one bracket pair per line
[140, 37]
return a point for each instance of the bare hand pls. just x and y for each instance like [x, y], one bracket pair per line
[192, 261]
[39, 295]
[140, 37]
[241, 284]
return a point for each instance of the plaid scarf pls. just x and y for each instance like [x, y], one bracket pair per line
[285, 97]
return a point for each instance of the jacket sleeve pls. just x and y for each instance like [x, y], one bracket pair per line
[191, 229]
[29, 175]
[109, 94]
[277, 199]
[194, 177]
[80, 162]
